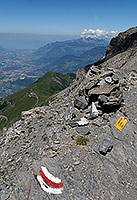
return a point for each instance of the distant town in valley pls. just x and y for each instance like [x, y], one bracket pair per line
[15, 71]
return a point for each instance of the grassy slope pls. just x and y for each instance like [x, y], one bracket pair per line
[36, 94]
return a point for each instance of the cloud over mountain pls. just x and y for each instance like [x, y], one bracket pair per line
[100, 34]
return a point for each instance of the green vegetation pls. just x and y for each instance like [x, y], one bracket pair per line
[37, 94]
[81, 141]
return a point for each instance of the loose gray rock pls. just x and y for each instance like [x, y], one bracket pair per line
[74, 122]
[91, 85]
[67, 114]
[115, 79]
[106, 146]
[97, 123]
[106, 90]
[93, 111]
[80, 102]
[83, 130]
[94, 69]
[83, 121]
[98, 106]
[108, 80]
[102, 99]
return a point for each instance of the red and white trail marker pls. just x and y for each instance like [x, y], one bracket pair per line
[49, 183]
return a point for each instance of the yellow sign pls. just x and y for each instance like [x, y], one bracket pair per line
[121, 123]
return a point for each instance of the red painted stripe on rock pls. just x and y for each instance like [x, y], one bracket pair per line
[49, 182]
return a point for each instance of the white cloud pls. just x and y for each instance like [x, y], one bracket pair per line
[101, 34]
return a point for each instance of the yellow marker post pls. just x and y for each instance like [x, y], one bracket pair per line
[121, 123]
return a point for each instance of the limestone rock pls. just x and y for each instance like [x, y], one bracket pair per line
[83, 130]
[103, 90]
[74, 122]
[93, 111]
[80, 102]
[83, 121]
[108, 79]
[102, 99]
[106, 146]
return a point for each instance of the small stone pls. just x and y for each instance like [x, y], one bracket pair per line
[76, 163]
[94, 69]
[83, 121]
[53, 155]
[55, 149]
[67, 114]
[106, 116]
[83, 130]
[93, 111]
[102, 99]
[98, 106]
[9, 160]
[97, 123]
[100, 112]
[74, 122]
[106, 146]
[56, 142]
[108, 79]
[71, 169]
[115, 79]
[80, 102]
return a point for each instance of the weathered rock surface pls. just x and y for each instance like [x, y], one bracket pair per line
[122, 42]
[80, 102]
[43, 137]
[83, 130]
[106, 146]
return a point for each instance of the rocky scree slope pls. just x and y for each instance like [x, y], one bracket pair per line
[105, 168]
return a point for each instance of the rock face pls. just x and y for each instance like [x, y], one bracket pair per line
[106, 167]
[104, 89]
[121, 43]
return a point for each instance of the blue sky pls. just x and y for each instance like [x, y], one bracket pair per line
[66, 16]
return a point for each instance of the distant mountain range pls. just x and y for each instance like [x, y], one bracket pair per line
[68, 56]
[71, 63]
[18, 69]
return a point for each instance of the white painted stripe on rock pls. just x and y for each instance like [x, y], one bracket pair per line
[48, 189]
[50, 176]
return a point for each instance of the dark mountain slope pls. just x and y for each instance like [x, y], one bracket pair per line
[71, 63]
[74, 47]
[122, 42]
[59, 53]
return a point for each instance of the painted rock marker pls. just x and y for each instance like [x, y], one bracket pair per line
[121, 123]
[49, 183]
